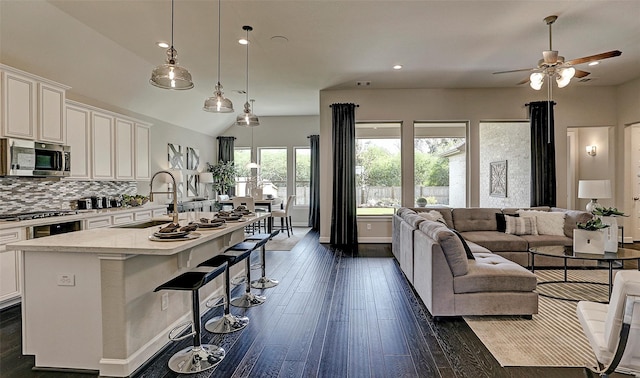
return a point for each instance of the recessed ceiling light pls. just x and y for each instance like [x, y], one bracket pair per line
[594, 63]
[164, 45]
[397, 67]
[243, 41]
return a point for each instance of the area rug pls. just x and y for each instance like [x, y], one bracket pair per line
[554, 336]
[283, 243]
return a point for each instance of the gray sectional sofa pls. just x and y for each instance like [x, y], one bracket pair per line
[495, 281]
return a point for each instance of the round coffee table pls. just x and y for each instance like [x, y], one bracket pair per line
[567, 253]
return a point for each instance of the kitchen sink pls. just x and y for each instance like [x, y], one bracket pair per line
[145, 224]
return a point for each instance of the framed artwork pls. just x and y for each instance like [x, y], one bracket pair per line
[192, 185]
[193, 158]
[174, 156]
[498, 179]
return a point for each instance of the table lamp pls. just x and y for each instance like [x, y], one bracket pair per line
[206, 178]
[594, 189]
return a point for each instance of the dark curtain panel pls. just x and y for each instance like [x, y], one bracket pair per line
[314, 185]
[343, 214]
[225, 154]
[543, 154]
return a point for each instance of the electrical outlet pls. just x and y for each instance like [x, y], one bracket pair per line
[66, 280]
[164, 302]
[368, 226]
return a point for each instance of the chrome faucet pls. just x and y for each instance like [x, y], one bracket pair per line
[174, 192]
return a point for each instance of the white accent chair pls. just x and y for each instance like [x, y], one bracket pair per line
[613, 329]
[285, 216]
[249, 202]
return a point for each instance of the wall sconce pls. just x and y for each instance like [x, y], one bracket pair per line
[591, 150]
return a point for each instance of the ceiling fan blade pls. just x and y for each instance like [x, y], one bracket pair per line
[579, 74]
[587, 59]
[520, 70]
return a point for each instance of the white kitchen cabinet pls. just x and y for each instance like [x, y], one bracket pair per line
[79, 138]
[51, 114]
[124, 149]
[97, 222]
[143, 215]
[159, 212]
[102, 146]
[142, 151]
[32, 107]
[19, 106]
[10, 267]
[121, 218]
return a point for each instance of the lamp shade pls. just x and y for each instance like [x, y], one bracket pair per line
[594, 189]
[206, 177]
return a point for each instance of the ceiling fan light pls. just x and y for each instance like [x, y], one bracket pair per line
[564, 76]
[535, 80]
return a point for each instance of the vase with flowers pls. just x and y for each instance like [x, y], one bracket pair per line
[589, 237]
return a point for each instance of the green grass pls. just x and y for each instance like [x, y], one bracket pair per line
[375, 211]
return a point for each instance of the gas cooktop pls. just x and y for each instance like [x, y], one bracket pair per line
[36, 215]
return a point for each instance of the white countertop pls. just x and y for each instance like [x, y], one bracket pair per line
[82, 214]
[128, 241]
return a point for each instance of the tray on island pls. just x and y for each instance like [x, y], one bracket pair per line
[211, 226]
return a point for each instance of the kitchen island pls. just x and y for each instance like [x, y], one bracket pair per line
[88, 300]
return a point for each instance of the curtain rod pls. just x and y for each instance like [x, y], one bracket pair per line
[218, 137]
[357, 106]
[309, 136]
[552, 102]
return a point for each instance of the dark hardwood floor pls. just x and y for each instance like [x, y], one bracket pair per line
[334, 314]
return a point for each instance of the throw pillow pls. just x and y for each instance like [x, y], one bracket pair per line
[433, 215]
[521, 225]
[502, 223]
[547, 223]
[464, 245]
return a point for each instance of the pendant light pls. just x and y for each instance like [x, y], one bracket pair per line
[252, 164]
[247, 119]
[218, 103]
[170, 75]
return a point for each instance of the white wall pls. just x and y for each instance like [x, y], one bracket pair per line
[576, 106]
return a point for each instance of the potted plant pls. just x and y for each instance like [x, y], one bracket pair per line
[608, 216]
[589, 237]
[421, 202]
[224, 176]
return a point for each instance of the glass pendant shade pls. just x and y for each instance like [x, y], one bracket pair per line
[535, 80]
[170, 75]
[247, 119]
[218, 103]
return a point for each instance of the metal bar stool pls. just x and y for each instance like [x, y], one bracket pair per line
[243, 251]
[261, 240]
[198, 357]
[227, 322]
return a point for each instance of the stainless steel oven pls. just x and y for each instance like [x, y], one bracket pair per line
[19, 157]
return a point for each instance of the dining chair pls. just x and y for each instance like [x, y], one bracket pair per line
[285, 216]
[249, 202]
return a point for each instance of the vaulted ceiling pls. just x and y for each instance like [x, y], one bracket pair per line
[106, 50]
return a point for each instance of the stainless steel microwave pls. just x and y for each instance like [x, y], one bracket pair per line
[19, 157]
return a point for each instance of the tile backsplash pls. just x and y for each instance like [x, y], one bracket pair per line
[24, 194]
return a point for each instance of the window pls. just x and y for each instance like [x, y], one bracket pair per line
[242, 157]
[440, 164]
[302, 174]
[378, 173]
[273, 170]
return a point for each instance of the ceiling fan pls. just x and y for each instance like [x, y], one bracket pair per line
[554, 66]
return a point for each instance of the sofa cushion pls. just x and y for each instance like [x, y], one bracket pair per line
[493, 273]
[467, 250]
[450, 244]
[413, 219]
[547, 223]
[521, 225]
[514, 210]
[474, 219]
[443, 210]
[432, 215]
[404, 210]
[546, 240]
[501, 221]
[496, 241]
[571, 217]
